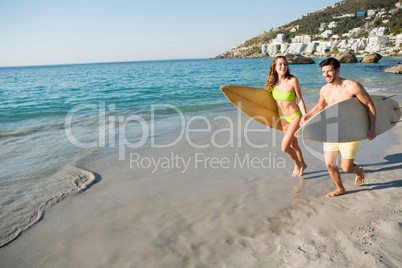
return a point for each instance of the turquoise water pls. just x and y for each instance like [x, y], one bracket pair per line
[43, 91]
[40, 105]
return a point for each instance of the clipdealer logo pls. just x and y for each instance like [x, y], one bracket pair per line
[113, 131]
[203, 161]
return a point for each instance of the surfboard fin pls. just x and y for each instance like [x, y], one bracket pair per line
[397, 108]
[389, 97]
[396, 122]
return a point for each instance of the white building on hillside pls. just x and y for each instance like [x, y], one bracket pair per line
[371, 12]
[301, 39]
[296, 48]
[311, 47]
[355, 44]
[284, 47]
[324, 47]
[326, 33]
[379, 31]
[338, 4]
[279, 39]
[332, 24]
[376, 43]
[398, 41]
[273, 49]
[270, 49]
[264, 49]
[322, 26]
[275, 46]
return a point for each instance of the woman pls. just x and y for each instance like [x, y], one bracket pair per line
[285, 89]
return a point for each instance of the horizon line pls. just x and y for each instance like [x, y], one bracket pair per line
[102, 62]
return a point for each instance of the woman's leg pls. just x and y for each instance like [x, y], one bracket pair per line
[289, 128]
[295, 146]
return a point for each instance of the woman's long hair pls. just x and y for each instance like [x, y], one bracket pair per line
[273, 75]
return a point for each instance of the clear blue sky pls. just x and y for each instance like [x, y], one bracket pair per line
[41, 32]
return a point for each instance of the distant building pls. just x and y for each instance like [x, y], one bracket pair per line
[324, 47]
[326, 33]
[392, 38]
[379, 31]
[301, 39]
[371, 12]
[333, 24]
[361, 14]
[273, 49]
[279, 39]
[322, 26]
[398, 40]
[376, 43]
[296, 48]
[284, 47]
[345, 15]
[270, 49]
[338, 4]
[311, 47]
[264, 49]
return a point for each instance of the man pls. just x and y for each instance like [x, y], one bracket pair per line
[336, 90]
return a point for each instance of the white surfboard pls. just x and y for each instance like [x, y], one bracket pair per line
[348, 121]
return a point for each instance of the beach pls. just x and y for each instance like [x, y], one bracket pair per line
[223, 215]
[209, 187]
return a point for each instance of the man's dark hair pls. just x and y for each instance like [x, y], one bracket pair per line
[330, 61]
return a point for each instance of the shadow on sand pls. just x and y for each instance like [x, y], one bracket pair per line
[392, 162]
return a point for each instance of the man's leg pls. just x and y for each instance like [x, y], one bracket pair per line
[349, 166]
[330, 163]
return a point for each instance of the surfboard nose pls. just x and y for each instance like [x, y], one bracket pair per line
[224, 87]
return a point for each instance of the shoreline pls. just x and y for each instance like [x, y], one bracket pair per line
[223, 216]
[262, 56]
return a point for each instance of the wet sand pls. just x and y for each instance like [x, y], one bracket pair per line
[231, 207]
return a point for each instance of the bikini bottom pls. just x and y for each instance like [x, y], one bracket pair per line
[290, 118]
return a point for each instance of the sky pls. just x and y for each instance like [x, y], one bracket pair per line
[43, 32]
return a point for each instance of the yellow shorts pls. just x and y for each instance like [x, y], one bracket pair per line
[348, 149]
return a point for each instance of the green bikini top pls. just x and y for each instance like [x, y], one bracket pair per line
[277, 95]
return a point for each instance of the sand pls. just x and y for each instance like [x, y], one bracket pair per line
[220, 212]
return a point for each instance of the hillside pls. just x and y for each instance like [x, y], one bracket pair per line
[309, 24]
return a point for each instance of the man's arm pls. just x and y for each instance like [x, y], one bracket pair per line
[365, 98]
[319, 107]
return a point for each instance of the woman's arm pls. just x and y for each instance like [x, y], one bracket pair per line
[300, 101]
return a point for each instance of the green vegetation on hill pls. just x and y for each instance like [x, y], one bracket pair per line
[395, 23]
[309, 25]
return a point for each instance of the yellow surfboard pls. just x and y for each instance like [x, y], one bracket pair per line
[254, 102]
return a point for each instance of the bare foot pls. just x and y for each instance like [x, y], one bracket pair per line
[359, 177]
[296, 171]
[303, 167]
[336, 193]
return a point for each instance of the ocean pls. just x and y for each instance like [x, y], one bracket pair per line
[53, 117]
